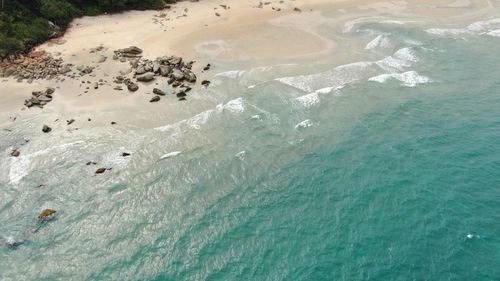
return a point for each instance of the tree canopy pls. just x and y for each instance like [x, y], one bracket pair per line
[25, 23]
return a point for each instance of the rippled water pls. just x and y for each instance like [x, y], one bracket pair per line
[385, 168]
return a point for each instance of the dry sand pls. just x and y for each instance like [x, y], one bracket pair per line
[239, 34]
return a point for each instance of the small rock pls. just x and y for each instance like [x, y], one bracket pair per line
[125, 154]
[205, 83]
[113, 123]
[46, 214]
[100, 170]
[50, 91]
[159, 92]
[70, 121]
[155, 99]
[46, 129]
[15, 153]
[131, 86]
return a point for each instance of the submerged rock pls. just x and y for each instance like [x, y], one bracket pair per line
[46, 214]
[205, 83]
[15, 153]
[155, 99]
[100, 171]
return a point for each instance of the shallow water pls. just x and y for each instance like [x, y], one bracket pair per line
[385, 168]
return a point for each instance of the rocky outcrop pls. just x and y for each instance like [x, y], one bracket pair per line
[40, 98]
[36, 65]
[130, 52]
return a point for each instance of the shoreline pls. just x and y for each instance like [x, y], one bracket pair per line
[242, 34]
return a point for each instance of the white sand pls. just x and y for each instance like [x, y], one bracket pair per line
[242, 33]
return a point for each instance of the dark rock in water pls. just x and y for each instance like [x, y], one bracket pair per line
[155, 99]
[297, 9]
[91, 163]
[176, 84]
[146, 77]
[170, 80]
[205, 83]
[159, 92]
[100, 170]
[46, 129]
[207, 67]
[15, 153]
[181, 94]
[125, 154]
[182, 99]
[46, 214]
[113, 123]
[70, 121]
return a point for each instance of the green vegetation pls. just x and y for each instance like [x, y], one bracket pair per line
[25, 23]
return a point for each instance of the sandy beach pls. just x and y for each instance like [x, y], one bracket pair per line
[240, 34]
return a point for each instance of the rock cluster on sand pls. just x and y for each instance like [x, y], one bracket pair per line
[40, 98]
[130, 52]
[46, 214]
[173, 68]
[36, 65]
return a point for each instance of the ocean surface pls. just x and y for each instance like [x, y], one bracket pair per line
[385, 167]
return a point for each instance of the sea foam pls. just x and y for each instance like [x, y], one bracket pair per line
[408, 79]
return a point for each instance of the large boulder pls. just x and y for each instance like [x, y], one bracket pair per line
[146, 77]
[178, 75]
[165, 70]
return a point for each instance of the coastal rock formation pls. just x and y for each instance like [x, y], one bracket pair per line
[130, 52]
[174, 68]
[40, 98]
[36, 65]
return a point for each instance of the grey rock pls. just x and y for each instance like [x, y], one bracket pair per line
[159, 92]
[155, 99]
[178, 75]
[146, 77]
[165, 70]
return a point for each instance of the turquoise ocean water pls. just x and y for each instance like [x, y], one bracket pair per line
[385, 168]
